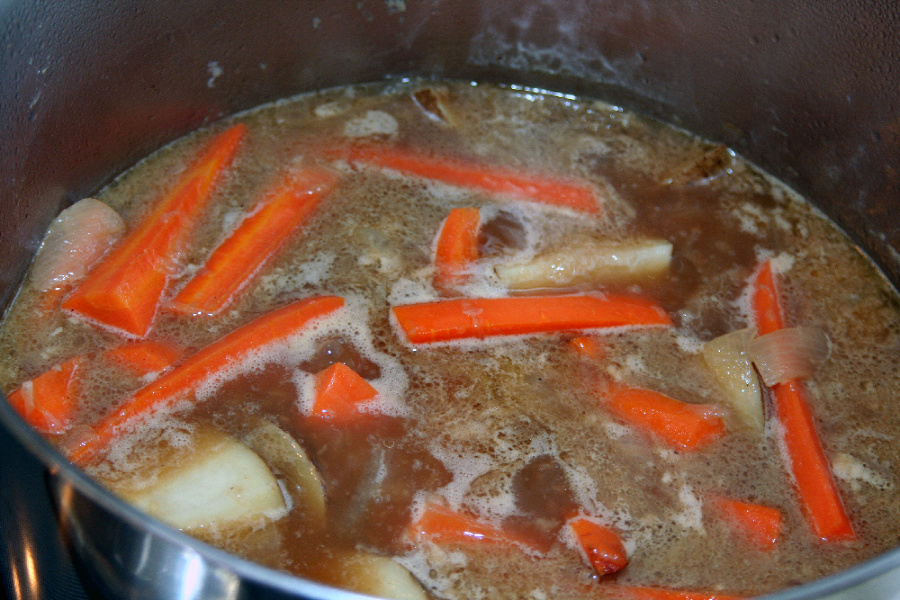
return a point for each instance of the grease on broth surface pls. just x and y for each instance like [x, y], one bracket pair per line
[510, 429]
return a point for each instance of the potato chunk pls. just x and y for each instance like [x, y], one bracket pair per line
[375, 575]
[589, 262]
[217, 482]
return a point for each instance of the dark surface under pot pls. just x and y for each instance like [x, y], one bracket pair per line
[810, 91]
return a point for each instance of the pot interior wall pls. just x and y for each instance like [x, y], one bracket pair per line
[809, 91]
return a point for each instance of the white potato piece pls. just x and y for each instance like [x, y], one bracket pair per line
[375, 575]
[217, 482]
[589, 262]
[77, 237]
[728, 358]
[288, 459]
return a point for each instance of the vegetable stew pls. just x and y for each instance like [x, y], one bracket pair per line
[462, 341]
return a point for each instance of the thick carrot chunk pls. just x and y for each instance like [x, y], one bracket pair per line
[147, 356]
[761, 525]
[339, 393]
[48, 401]
[806, 460]
[544, 189]
[232, 265]
[601, 546]
[483, 317]
[123, 291]
[457, 249]
[200, 368]
[681, 425]
[446, 526]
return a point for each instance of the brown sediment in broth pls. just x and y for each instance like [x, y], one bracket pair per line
[489, 426]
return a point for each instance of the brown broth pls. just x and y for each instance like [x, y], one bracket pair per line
[511, 429]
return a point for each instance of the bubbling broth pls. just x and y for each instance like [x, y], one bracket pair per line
[463, 341]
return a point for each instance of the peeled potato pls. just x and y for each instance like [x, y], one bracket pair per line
[589, 262]
[217, 482]
[375, 575]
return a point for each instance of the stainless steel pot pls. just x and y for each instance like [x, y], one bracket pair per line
[810, 91]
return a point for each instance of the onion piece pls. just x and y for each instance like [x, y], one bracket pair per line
[77, 237]
[789, 353]
[287, 458]
[728, 358]
[589, 262]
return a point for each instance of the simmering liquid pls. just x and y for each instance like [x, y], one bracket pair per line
[510, 430]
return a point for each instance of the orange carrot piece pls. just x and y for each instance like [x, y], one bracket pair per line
[124, 289]
[339, 393]
[483, 317]
[681, 425]
[48, 401]
[766, 308]
[759, 524]
[199, 368]
[627, 592]
[587, 347]
[444, 525]
[544, 189]
[232, 265]
[147, 356]
[601, 546]
[817, 491]
[457, 249]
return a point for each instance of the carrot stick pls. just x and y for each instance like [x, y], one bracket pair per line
[811, 472]
[627, 592]
[446, 526]
[681, 425]
[761, 525]
[339, 393]
[48, 401]
[123, 291]
[482, 317]
[456, 249]
[601, 546]
[544, 189]
[257, 239]
[147, 356]
[204, 366]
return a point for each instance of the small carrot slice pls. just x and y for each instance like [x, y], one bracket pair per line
[456, 249]
[48, 401]
[587, 347]
[446, 526]
[203, 366]
[146, 356]
[759, 524]
[339, 393]
[601, 546]
[627, 592]
[482, 317]
[683, 426]
[544, 189]
[124, 289]
[232, 265]
[817, 492]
